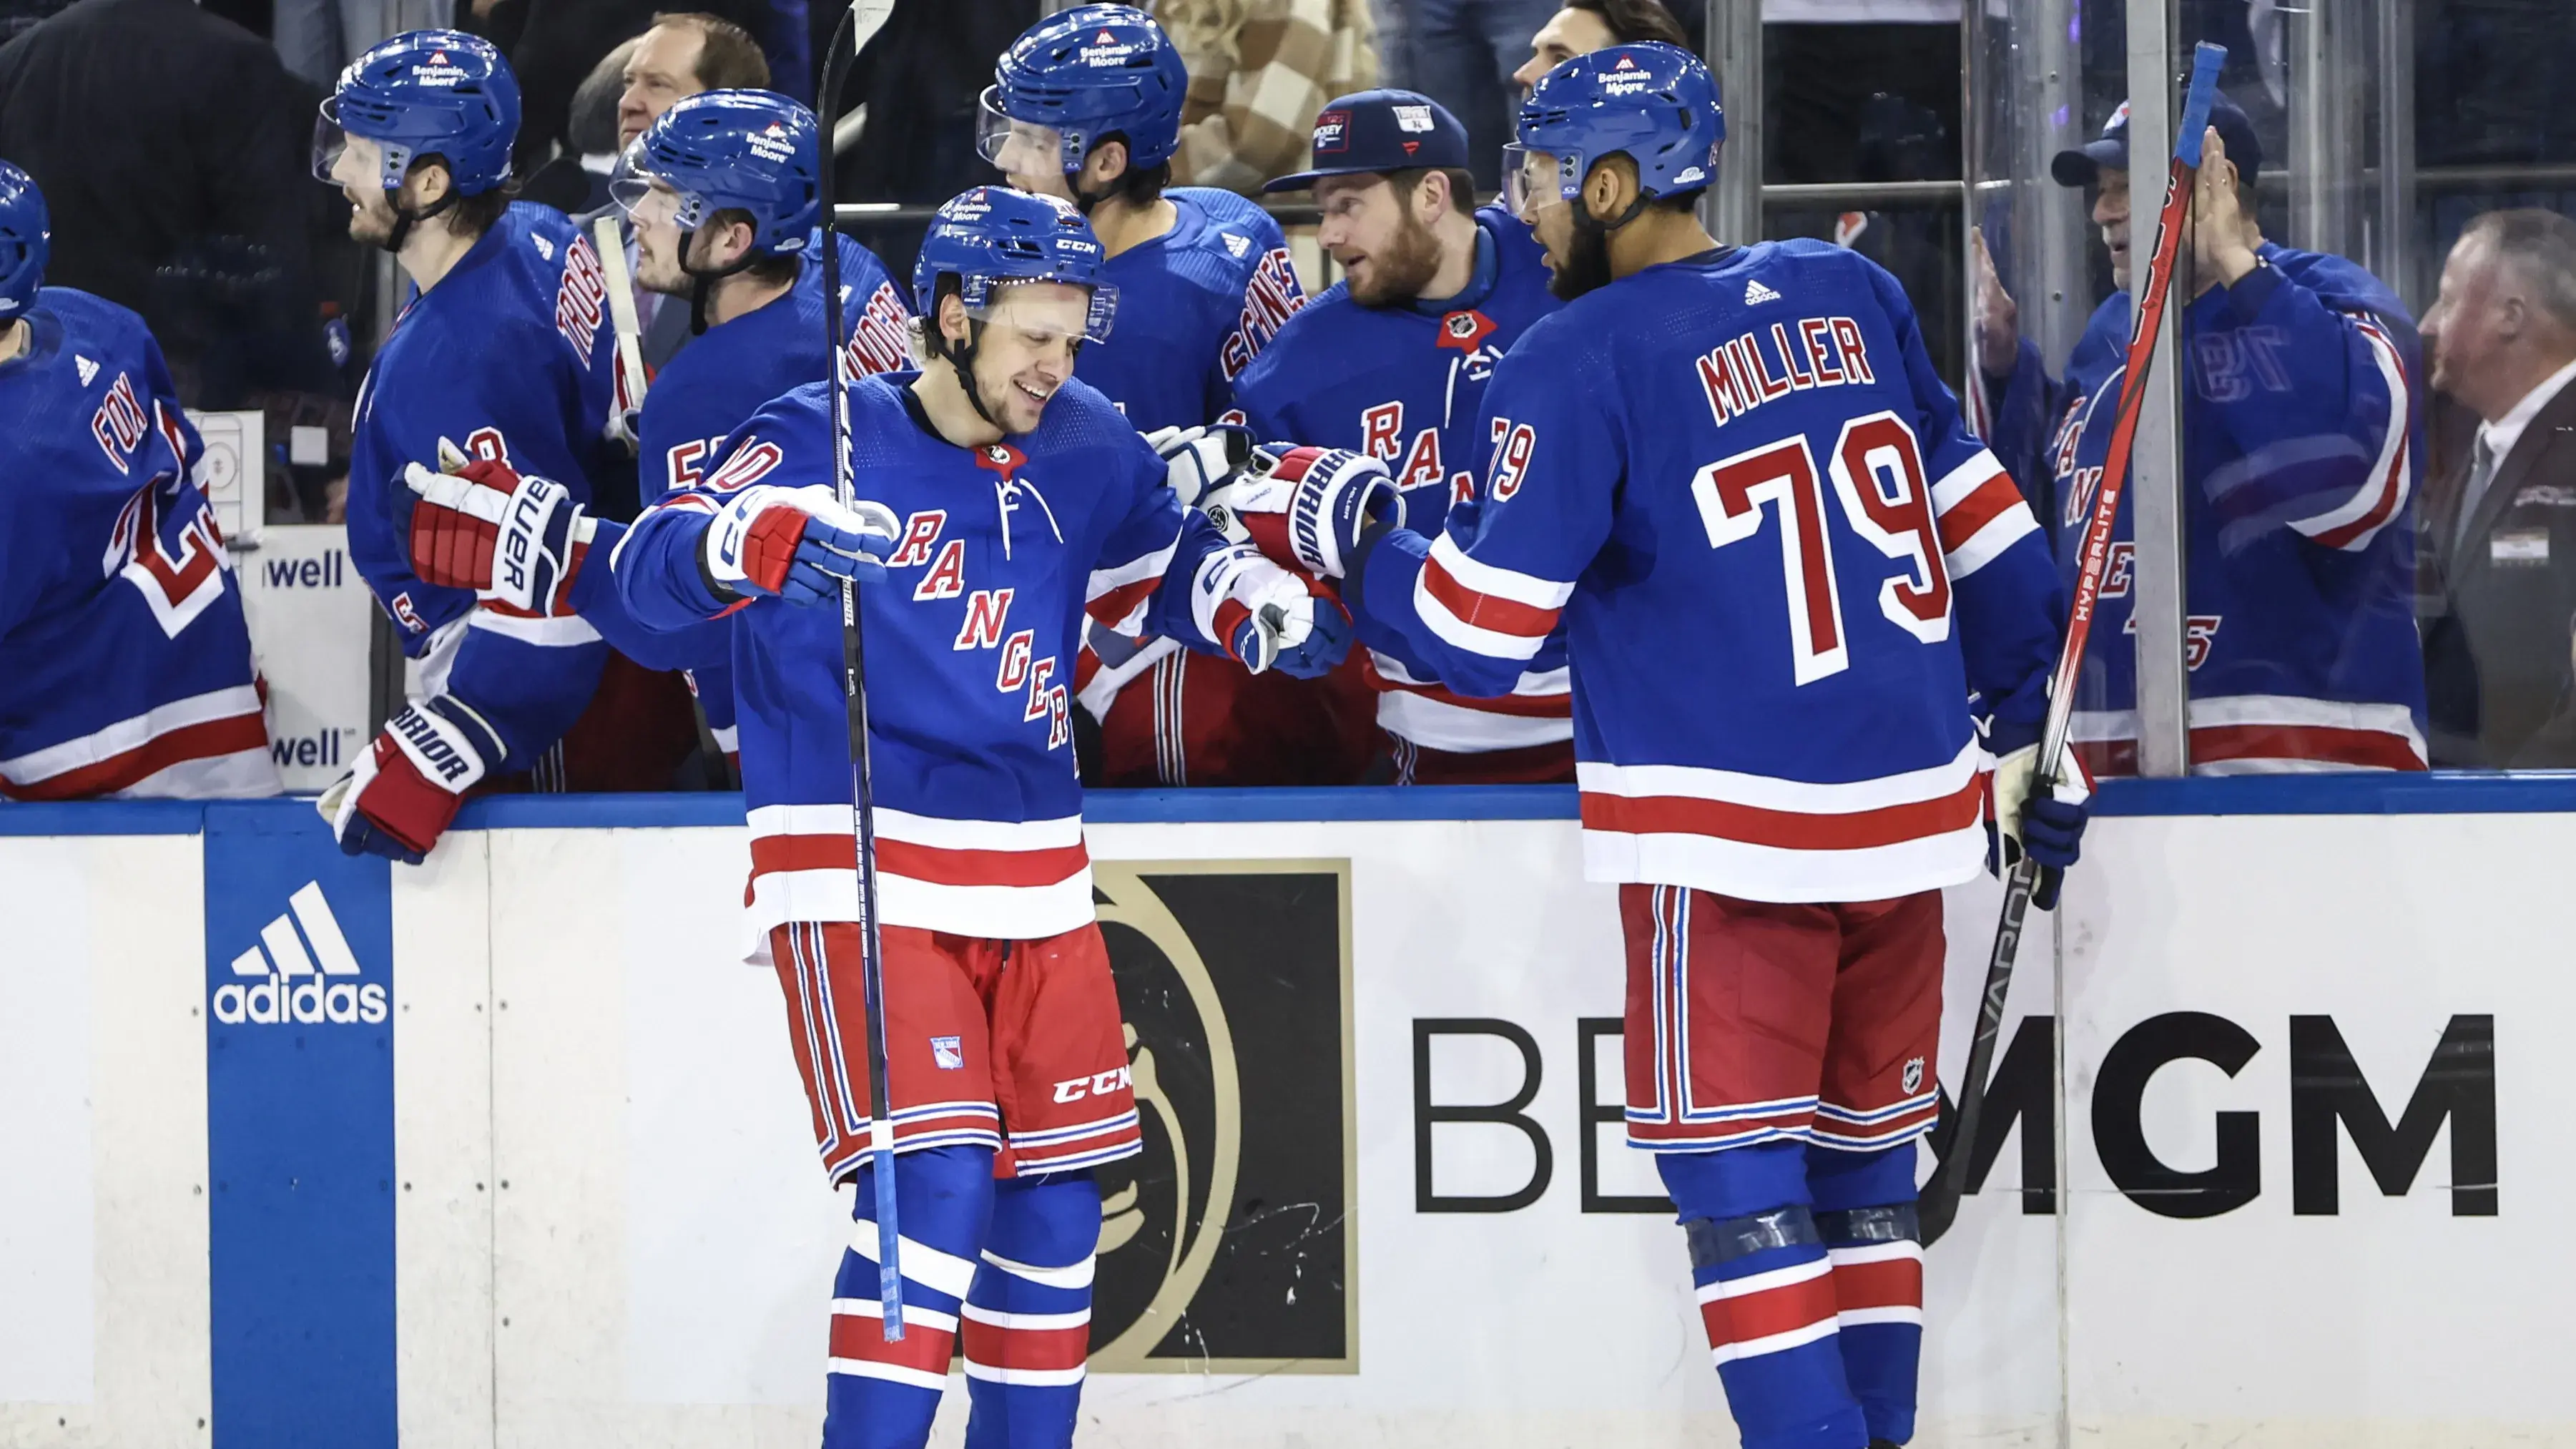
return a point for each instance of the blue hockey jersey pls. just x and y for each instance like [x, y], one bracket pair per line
[970, 650]
[509, 355]
[715, 384]
[1407, 384]
[2302, 437]
[1781, 565]
[125, 668]
[1195, 305]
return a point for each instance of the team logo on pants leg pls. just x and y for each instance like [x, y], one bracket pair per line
[946, 1054]
[1226, 1244]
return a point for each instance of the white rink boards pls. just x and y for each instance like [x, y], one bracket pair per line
[584, 1209]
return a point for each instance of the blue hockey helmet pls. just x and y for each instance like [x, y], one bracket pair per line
[755, 151]
[1073, 79]
[25, 241]
[1655, 103]
[424, 93]
[993, 236]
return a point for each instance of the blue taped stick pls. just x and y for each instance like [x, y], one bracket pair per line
[2205, 62]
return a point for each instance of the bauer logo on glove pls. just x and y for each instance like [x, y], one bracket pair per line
[1305, 508]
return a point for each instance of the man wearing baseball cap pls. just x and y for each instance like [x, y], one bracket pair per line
[1392, 362]
[2302, 438]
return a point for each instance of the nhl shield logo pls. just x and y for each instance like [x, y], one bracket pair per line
[1913, 1075]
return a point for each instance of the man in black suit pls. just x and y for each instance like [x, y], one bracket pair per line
[2500, 610]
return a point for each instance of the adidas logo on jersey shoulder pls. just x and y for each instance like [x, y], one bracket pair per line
[545, 248]
[1238, 246]
[296, 984]
[1755, 292]
[88, 369]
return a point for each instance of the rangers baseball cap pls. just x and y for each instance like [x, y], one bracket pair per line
[1374, 132]
[2079, 166]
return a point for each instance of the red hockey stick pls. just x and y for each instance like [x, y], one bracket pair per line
[1940, 1205]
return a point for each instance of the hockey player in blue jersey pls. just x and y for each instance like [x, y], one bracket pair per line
[1392, 362]
[1782, 567]
[503, 354]
[722, 195]
[1004, 503]
[2302, 439]
[1087, 106]
[125, 667]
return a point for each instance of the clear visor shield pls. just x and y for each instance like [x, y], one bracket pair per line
[647, 199]
[1041, 314]
[1017, 148]
[342, 159]
[1532, 181]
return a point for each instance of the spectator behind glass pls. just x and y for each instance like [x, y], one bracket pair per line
[1585, 26]
[1259, 72]
[1462, 54]
[576, 182]
[2301, 441]
[684, 53]
[2501, 548]
[564, 39]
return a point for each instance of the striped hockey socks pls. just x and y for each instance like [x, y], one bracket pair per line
[883, 1395]
[1766, 1295]
[1865, 1214]
[1028, 1315]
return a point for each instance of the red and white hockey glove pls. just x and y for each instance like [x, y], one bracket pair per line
[1267, 617]
[794, 543]
[407, 786]
[516, 540]
[1306, 507]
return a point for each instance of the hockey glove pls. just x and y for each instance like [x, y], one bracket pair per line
[1306, 507]
[516, 540]
[407, 786]
[1268, 617]
[1197, 461]
[794, 543]
[2050, 827]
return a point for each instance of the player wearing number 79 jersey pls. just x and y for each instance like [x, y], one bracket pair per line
[1782, 567]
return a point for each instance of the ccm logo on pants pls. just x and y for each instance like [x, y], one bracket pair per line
[1092, 1086]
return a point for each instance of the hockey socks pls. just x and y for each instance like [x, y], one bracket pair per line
[883, 1395]
[1864, 1210]
[1766, 1294]
[1028, 1316]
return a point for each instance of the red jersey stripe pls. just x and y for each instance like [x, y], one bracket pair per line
[205, 740]
[930, 863]
[1486, 611]
[1786, 829]
[1988, 501]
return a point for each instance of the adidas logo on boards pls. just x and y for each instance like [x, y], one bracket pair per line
[1755, 292]
[297, 985]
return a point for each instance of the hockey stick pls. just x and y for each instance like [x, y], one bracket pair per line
[1940, 1205]
[858, 26]
[604, 234]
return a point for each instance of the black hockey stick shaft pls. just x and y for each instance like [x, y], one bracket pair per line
[854, 682]
[1940, 1205]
